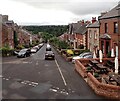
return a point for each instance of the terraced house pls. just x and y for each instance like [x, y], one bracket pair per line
[93, 35]
[110, 31]
[13, 35]
[78, 34]
[7, 31]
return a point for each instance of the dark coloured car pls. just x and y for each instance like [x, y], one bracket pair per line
[48, 49]
[24, 53]
[49, 55]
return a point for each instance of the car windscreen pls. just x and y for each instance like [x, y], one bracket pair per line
[22, 51]
[49, 52]
[88, 56]
[48, 49]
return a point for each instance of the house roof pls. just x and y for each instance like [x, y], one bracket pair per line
[81, 29]
[94, 25]
[115, 12]
[78, 28]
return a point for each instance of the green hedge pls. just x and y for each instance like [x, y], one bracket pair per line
[6, 52]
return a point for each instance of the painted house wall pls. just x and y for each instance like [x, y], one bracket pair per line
[93, 39]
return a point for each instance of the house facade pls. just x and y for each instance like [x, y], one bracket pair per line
[109, 32]
[93, 36]
[7, 31]
[13, 35]
[0, 30]
[77, 34]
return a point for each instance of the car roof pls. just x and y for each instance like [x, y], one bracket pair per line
[86, 53]
[88, 56]
[49, 51]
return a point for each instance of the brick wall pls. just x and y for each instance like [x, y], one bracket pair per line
[110, 91]
[0, 30]
[114, 36]
[106, 90]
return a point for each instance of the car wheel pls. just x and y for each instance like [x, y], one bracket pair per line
[25, 56]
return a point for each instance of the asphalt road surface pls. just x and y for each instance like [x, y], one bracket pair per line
[36, 78]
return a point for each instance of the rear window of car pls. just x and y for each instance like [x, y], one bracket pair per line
[48, 49]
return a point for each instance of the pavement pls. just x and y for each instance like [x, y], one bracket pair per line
[36, 78]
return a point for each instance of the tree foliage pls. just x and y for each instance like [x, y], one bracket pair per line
[55, 30]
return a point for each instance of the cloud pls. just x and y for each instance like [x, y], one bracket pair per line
[77, 7]
[54, 11]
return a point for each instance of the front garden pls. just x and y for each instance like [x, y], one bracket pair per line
[99, 81]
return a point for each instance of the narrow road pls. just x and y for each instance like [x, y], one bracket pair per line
[36, 78]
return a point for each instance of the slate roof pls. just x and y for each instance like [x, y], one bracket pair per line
[78, 28]
[94, 25]
[115, 12]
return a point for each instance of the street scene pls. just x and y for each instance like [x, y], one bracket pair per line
[36, 78]
[60, 50]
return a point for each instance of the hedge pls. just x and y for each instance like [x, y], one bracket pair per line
[6, 52]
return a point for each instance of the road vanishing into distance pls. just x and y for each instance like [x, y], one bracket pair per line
[36, 78]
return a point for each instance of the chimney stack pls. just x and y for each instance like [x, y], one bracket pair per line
[103, 13]
[5, 18]
[93, 19]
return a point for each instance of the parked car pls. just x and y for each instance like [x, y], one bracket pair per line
[82, 55]
[24, 53]
[40, 45]
[15, 52]
[48, 48]
[49, 55]
[36, 47]
[33, 50]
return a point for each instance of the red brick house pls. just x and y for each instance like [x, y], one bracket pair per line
[7, 33]
[64, 37]
[109, 33]
[77, 34]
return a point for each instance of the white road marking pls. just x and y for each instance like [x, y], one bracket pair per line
[61, 73]
[54, 90]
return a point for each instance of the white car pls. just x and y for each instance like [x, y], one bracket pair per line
[82, 55]
[36, 47]
[40, 45]
[33, 50]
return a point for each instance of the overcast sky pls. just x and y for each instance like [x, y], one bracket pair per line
[53, 12]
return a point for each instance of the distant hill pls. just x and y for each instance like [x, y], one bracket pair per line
[56, 30]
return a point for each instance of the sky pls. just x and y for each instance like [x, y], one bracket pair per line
[53, 12]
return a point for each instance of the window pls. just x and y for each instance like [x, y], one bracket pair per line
[90, 33]
[115, 27]
[95, 34]
[106, 28]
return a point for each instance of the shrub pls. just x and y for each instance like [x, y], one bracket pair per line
[6, 51]
[70, 52]
[20, 46]
[96, 74]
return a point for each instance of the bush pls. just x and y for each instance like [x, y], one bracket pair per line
[6, 51]
[96, 75]
[20, 46]
[70, 52]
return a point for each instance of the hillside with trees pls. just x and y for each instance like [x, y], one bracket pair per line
[54, 30]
